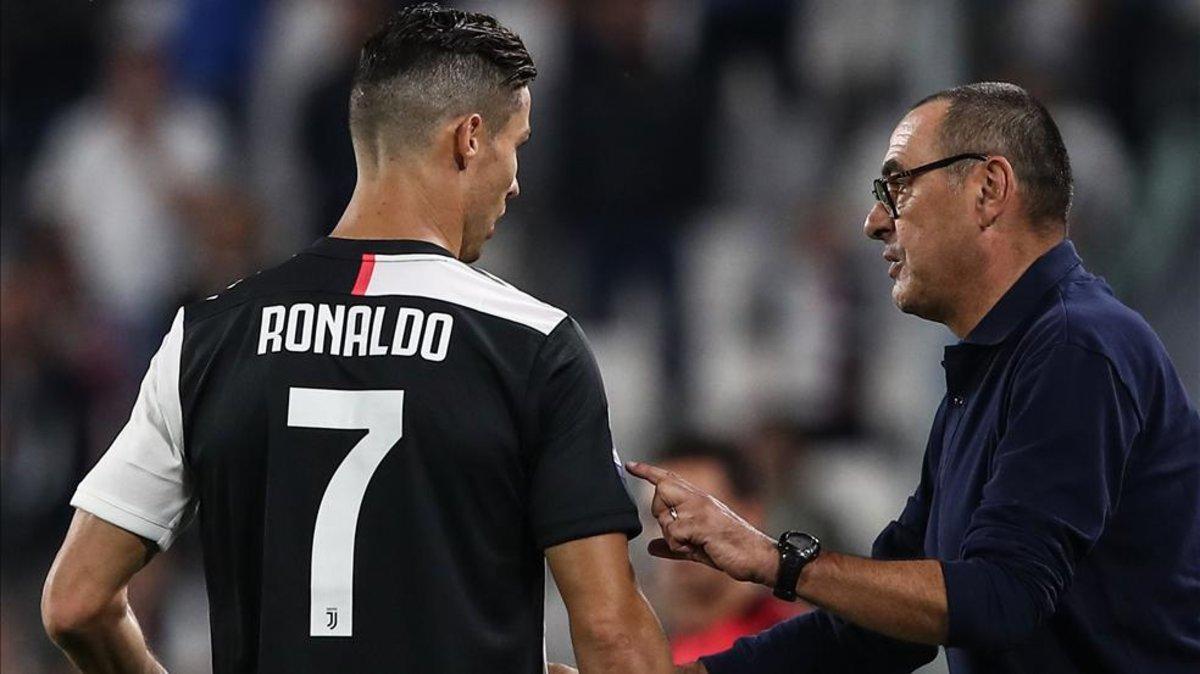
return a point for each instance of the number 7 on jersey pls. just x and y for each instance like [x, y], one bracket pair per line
[380, 413]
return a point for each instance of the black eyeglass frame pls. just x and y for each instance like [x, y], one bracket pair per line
[880, 185]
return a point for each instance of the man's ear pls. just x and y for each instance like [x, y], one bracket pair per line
[998, 191]
[467, 139]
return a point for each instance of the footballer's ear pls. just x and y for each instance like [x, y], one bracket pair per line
[467, 137]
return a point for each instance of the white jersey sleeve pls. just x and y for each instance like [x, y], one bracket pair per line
[140, 484]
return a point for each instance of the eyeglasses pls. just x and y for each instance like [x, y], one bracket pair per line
[882, 186]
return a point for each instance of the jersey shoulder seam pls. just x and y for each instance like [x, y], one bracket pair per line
[487, 275]
[492, 281]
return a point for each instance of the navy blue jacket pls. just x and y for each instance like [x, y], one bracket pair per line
[1061, 492]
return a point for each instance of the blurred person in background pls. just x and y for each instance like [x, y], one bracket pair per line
[623, 186]
[704, 610]
[116, 171]
[324, 134]
[59, 367]
[226, 228]
[486, 440]
[1036, 539]
[48, 60]
[213, 51]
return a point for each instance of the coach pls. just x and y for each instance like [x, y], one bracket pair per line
[1056, 524]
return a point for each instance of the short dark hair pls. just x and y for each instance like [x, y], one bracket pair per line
[739, 470]
[428, 63]
[1003, 119]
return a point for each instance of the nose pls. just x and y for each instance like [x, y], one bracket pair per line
[879, 223]
[514, 190]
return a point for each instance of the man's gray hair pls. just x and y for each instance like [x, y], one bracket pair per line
[998, 118]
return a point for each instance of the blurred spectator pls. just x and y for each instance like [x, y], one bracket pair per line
[226, 229]
[326, 125]
[47, 61]
[705, 611]
[214, 51]
[630, 172]
[57, 369]
[57, 365]
[756, 299]
[297, 48]
[734, 29]
[116, 169]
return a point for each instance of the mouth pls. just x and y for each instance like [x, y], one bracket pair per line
[893, 257]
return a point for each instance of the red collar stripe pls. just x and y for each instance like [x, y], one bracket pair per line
[365, 269]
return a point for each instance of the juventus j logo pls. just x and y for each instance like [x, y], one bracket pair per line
[331, 614]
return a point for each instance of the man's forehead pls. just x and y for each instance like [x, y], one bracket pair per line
[912, 141]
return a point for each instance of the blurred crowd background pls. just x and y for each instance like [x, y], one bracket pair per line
[694, 195]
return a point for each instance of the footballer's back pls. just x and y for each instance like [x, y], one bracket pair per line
[382, 441]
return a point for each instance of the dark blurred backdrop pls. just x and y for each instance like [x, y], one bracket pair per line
[694, 196]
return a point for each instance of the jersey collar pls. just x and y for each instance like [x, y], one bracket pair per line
[1022, 298]
[354, 249]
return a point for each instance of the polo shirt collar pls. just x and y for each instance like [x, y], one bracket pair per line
[354, 249]
[1022, 298]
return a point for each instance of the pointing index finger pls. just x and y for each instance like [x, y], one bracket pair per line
[649, 473]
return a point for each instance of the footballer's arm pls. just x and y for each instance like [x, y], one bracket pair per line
[613, 628]
[85, 605]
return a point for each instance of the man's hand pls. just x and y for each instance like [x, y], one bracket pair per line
[698, 527]
[903, 599]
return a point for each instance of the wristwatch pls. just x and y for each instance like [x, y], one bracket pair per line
[796, 550]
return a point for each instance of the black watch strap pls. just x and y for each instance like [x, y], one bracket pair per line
[796, 550]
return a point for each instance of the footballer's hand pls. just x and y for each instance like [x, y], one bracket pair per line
[697, 527]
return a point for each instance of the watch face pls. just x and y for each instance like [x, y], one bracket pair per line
[801, 541]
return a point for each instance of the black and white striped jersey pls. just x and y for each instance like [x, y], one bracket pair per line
[380, 442]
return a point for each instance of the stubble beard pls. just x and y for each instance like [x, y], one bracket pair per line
[908, 298]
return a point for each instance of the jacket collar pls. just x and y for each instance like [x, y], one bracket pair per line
[1023, 297]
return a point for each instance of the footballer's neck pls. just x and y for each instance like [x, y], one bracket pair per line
[402, 205]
